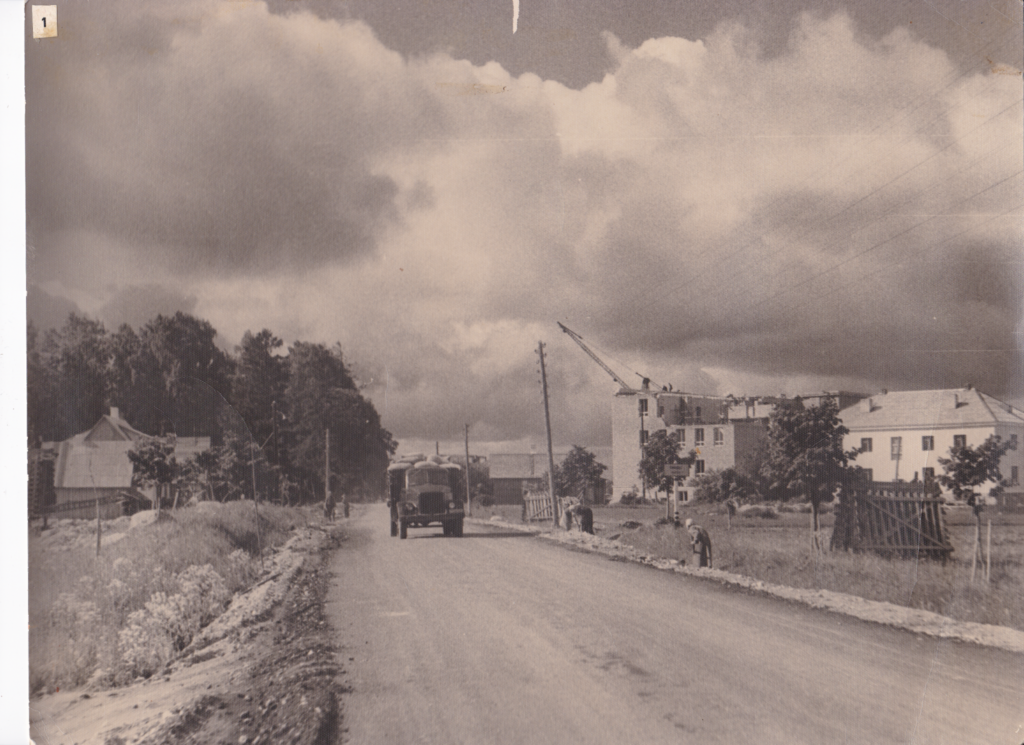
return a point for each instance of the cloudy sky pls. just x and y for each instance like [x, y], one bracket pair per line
[727, 196]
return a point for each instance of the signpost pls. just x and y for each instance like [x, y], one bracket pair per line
[676, 471]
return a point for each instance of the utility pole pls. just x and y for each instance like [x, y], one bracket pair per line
[277, 453]
[469, 508]
[547, 424]
[256, 500]
[642, 406]
[327, 464]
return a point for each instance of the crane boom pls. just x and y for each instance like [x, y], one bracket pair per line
[579, 340]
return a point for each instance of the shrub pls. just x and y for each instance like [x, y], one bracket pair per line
[167, 623]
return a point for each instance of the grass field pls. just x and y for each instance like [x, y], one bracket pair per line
[128, 610]
[778, 551]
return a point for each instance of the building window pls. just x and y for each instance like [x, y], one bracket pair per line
[896, 448]
[869, 474]
[698, 436]
[928, 474]
[719, 436]
[927, 442]
[643, 406]
[1014, 475]
[959, 441]
[698, 466]
[682, 436]
[643, 437]
[865, 444]
[1013, 439]
[696, 413]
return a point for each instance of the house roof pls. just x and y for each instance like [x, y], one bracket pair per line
[98, 458]
[111, 427]
[957, 407]
[100, 465]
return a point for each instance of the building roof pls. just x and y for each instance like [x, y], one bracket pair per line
[87, 465]
[98, 458]
[957, 407]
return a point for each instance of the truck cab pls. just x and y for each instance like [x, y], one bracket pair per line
[424, 491]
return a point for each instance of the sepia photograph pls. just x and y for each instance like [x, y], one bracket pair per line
[518, 372]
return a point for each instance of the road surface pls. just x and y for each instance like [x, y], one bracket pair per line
[500, 637]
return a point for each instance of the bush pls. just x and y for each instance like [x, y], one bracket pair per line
[130, 610]
[766, 511]
[167, 623]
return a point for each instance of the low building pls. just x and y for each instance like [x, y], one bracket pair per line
[95, 465]
[514, 473]
[902, 434]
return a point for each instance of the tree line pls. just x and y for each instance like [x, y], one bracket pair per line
[266, 408]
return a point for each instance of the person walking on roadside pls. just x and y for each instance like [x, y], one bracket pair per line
[700, 542]
[329, 505]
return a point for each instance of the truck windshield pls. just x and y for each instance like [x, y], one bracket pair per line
[428, 476]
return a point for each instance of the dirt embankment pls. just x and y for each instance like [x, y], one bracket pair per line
[264, 672]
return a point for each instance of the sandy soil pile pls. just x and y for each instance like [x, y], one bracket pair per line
[263, 672]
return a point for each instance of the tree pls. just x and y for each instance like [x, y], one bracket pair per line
[77, 357]
[136, 383]
[805, 455]
[659, 451]
[322, 395]
[41, 419]
[258, 384]
[721, 486]
[967, 468]
[194, 373]
[154, 465]
[578, 472]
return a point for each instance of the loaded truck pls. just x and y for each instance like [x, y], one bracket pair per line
[423, 491]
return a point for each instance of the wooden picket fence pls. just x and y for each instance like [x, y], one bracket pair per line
[892, 518]
[537, 506]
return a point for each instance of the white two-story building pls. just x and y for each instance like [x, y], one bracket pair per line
[902, 434]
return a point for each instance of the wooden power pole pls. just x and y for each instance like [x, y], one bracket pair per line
[547, 424]
[469, 508]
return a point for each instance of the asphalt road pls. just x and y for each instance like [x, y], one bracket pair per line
[500, 637]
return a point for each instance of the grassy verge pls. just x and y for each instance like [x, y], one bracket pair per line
[778, 551]
[128, 611]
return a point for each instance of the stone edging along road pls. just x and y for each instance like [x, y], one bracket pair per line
[910, 619]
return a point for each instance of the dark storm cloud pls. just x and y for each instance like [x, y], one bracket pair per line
[136, 305]
[229, 140]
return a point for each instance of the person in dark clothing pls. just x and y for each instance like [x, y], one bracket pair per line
[700, 542]
[329, 505]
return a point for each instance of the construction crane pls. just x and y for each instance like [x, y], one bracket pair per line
[579, 340]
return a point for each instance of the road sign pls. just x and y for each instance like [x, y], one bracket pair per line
[678, 470]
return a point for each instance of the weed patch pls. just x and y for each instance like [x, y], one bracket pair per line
[127, 612]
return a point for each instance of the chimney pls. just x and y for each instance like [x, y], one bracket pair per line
[114, 413]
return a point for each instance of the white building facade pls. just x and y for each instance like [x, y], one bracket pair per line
[902, 434]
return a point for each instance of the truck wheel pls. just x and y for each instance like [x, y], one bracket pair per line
[458, 528]
[403, 531]
[394, 528]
